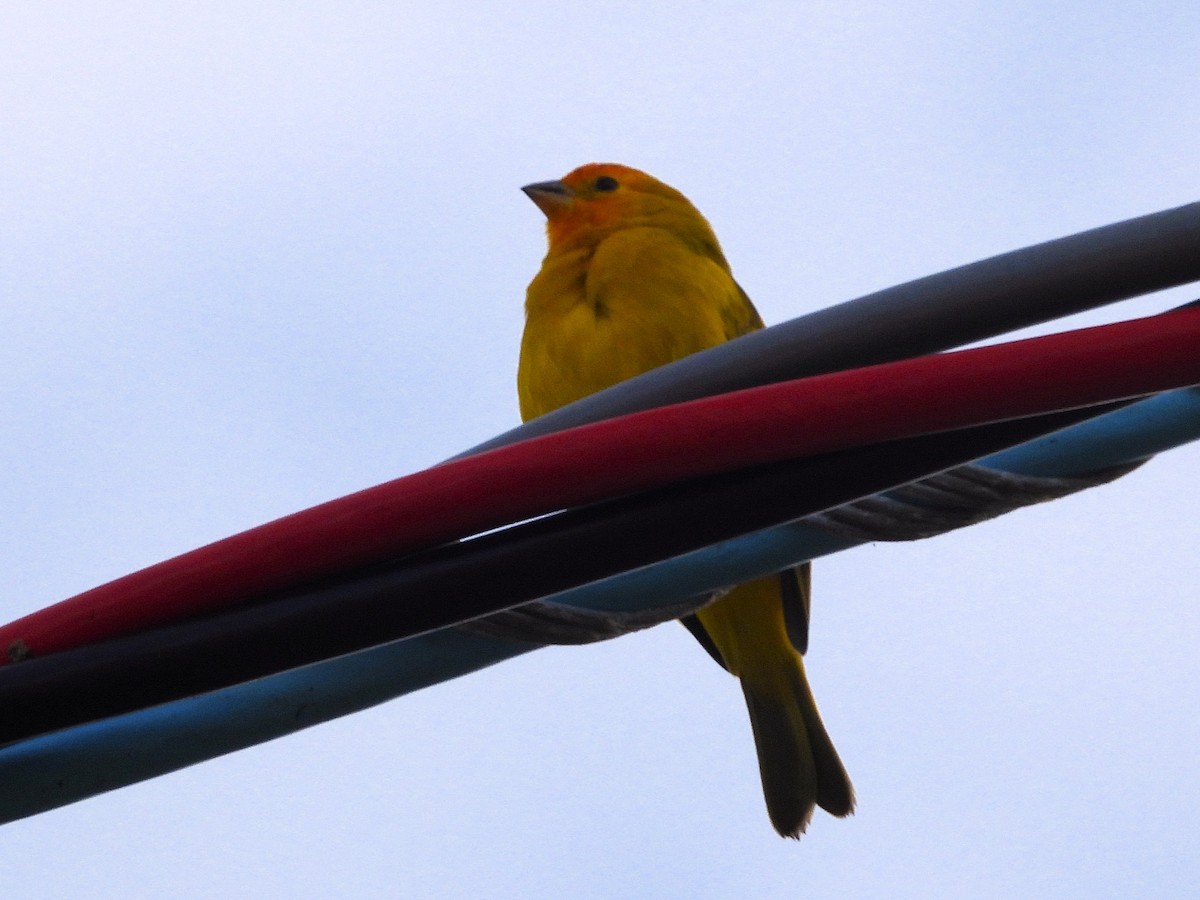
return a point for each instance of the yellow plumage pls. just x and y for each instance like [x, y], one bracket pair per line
[634, 278]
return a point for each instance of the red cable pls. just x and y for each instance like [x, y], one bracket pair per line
[629, 454]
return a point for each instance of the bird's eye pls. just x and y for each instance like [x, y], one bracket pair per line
[606, 183]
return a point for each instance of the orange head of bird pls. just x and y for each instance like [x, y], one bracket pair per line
[598, 198]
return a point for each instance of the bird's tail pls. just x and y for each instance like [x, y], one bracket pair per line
[800, 767]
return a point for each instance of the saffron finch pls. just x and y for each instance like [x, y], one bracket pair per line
[634, 278]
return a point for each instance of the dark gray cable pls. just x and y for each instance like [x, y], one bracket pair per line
[937, 312]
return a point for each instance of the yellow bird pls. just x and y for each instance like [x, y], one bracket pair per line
[633, 279]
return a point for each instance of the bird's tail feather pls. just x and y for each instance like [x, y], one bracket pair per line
[800, 767]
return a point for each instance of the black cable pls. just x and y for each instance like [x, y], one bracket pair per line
[465, 580]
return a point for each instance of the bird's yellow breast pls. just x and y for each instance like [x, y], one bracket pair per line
[597, 315]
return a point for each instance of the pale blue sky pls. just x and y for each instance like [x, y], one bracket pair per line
[253, 260]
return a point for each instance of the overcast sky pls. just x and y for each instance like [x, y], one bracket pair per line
[251, 260]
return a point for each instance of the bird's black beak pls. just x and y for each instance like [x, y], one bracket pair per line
[549, 196]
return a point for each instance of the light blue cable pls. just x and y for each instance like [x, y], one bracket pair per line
[55, 769]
